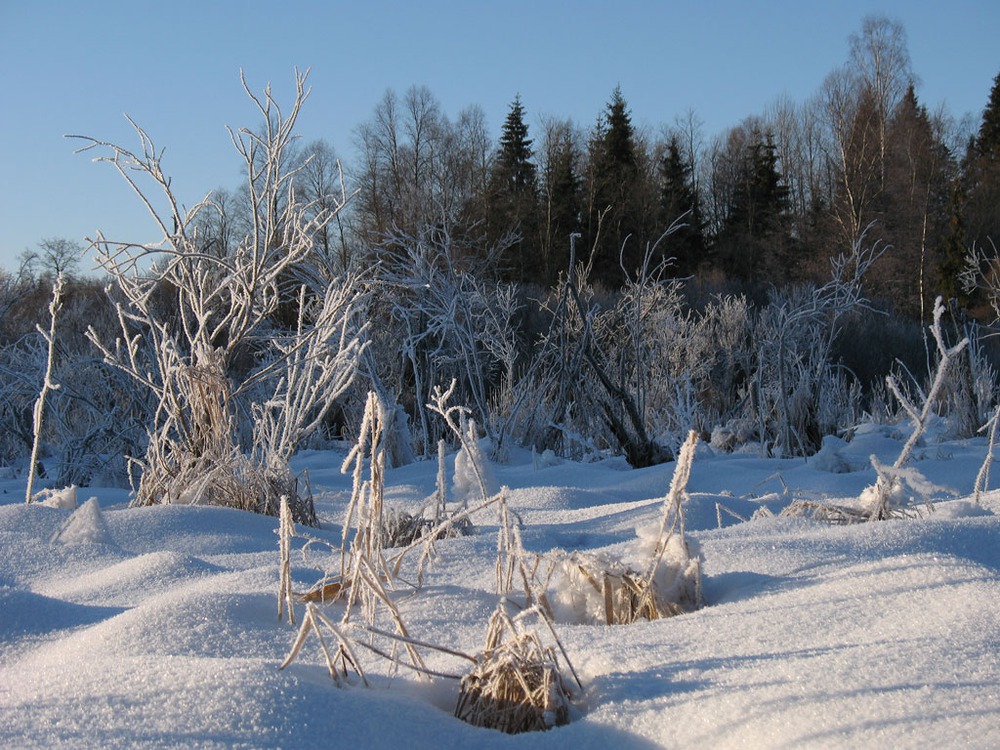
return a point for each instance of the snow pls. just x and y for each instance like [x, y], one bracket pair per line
[158, 627]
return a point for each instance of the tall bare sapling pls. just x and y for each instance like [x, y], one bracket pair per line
[47, 384]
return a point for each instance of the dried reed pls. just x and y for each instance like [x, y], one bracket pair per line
[516, 684]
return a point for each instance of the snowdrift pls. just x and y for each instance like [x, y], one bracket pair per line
[158, 626]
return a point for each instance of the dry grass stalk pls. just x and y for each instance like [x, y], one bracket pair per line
[673, 512]
[364, 586]
[364, 571]
[286, 530]
[509, 551]
[516, 684]
[365, 511]
[340, 662]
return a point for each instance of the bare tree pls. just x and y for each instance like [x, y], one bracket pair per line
[851, 118]
[55, 256]
[880, 59]
[321, 186]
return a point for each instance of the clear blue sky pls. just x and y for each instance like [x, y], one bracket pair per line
[75, 67]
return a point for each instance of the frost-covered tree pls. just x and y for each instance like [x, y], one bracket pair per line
[447, 321]
[219, 315]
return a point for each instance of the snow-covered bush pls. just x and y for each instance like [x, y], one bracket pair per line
[22, 367]
[187, 317]
[796, 392]
[593, 365]
[448, 322]
[94, 419]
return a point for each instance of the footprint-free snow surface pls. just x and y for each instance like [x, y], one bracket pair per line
[158, 627]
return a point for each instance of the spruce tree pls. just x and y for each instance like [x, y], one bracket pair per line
[913, 209]
[988, 139]
[613, 194]
[562, 203]
[679, 201]
[514, 198]
[754, 241]
[982, 178]
[514, 168]
[953, 251]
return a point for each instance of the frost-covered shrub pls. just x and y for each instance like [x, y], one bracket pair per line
[21, 370]
[442, 320]
[93, 420]
[969, 397]
[201, 330]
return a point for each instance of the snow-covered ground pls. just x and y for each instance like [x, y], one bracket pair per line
[158, 627]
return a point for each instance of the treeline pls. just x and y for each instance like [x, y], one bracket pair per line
[767, 202]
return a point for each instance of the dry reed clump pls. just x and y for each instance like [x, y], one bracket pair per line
[845, 515]
[838, 515]
[594, 590]
[516, 684]
[196, 460]
[586, 588]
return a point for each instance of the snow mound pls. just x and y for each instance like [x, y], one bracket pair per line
[85, 526]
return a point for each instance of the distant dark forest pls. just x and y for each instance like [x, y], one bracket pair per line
[768, 202]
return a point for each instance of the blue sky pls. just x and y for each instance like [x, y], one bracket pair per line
[74, 67]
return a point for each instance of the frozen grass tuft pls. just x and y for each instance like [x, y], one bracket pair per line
[517, 683]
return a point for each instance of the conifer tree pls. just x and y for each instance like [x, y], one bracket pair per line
[679, 200]
[913, 208]
[953, 251]
[982, 178]
[613, 194]
[561, 207]
[514, 197]
[754, 240]
[514, 168]
[988, 139]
